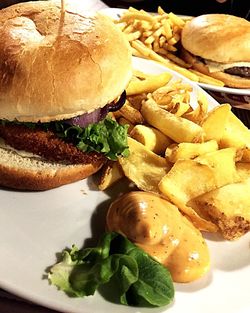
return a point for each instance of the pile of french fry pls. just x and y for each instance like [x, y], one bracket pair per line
[193, 156]
[156, 37]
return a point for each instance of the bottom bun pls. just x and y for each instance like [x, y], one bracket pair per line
[229, 80]
[25, 173]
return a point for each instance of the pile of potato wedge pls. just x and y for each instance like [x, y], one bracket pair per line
[197, 158]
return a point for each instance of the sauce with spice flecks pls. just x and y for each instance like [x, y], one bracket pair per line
[157, 226]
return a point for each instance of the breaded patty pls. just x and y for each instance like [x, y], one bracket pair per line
[46, 144]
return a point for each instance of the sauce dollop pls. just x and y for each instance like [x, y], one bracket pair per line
[157, 226]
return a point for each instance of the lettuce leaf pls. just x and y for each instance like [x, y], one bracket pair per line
[107, 136]
[115, 265]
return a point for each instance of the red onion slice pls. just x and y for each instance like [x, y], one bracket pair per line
[99, 114]
[115, 106]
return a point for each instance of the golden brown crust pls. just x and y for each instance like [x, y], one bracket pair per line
[229, 80]
[47, 144]
[36, 174]
[218, 37]
[53, 68]
[231, 227]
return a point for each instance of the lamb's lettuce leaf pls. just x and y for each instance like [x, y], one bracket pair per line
[114, 264]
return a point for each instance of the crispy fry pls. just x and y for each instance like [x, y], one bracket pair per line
[133, 36]
[149, 84]
[200, 112]
[131, 114]
[159, 36]
[148, 53]
[210, 171]
[111, 173]
[180, 107]
[176, 60]
[134, 15]
[246, 155]
[144, 167]
[177, 128]
[218, 117]
[124, 121]
[136, 100]
[235, 134]
[151, 138]
[176, 19]
[208, 79]
[221, 206]
[185, 151]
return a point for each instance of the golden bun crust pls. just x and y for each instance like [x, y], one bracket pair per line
[229, 80]
[25, 173]
[53, 67]
[218, 37]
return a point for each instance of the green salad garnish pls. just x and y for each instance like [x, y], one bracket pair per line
[107, 136]
[120, 271]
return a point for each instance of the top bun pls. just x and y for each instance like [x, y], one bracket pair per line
[55, 67]
[218, 37]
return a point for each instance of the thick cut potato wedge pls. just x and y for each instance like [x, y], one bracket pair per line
[152, 138]
[229, 208]
[188, 179]
[111, 173]
[215, 122]
[235, 134]
[144, 167]
[187, 150]
[177, 128]
[149, 84]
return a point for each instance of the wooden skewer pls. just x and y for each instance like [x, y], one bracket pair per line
[62, 6]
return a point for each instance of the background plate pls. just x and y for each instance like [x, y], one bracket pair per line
[236, 97]
[34, 226]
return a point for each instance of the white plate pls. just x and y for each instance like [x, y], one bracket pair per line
[34, 226]
[236, 97]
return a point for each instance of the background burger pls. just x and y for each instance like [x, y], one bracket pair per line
[60, 75]
[219, 45]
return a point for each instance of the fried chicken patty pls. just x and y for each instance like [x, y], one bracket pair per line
[46, 144]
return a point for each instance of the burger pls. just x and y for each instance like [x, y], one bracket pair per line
[61, 73]
[218, 45]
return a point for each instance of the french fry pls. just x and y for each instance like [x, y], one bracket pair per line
[151, 138]
[176, 128]
[134, 15]
[131, 114]
[210, 171]
[136, 100]
[176, 19]
[246, 155]
[149, 84]
[148, 53]
[133, 36]
[159, 36]
[124, 121]
[186, 151]
[208, 79]
[199, 222]
[176, 60]
[200, 112]
[174, 97]
[235, 134]
[144, 167]
[180, 108]
[111, 173]
[243, 169]
[218, 116]
[140, 74]
[229, 208]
